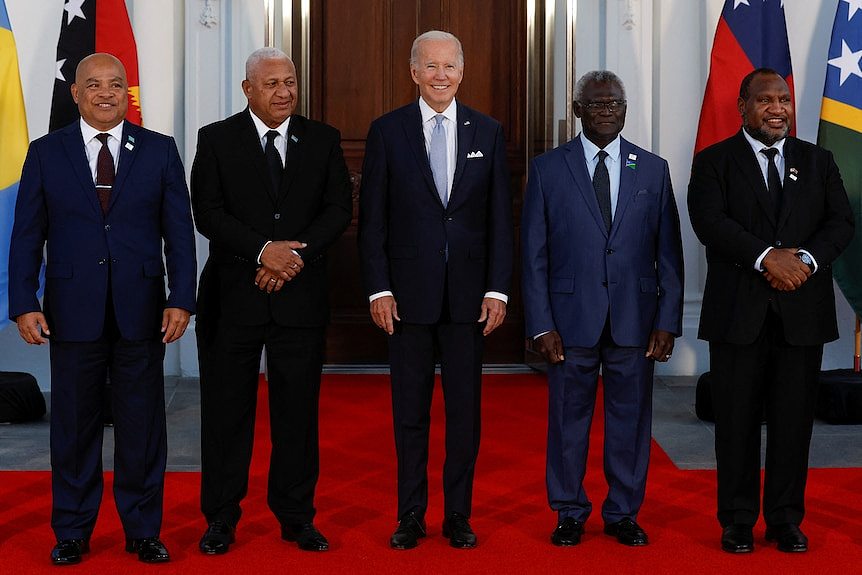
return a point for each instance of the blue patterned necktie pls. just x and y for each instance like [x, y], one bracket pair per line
[602, 185]
[437, 156]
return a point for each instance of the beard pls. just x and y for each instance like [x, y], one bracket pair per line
[767, 137]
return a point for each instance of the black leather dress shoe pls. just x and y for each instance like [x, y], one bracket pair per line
[790, 538]
[567, 533]
[306, 535]
[737, 538]
[149, 550]
[411, 528]
[217, 538]
[457, 530]
[627, 532]
[69, 551]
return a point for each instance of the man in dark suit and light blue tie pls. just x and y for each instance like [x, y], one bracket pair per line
[602, 287]
[104, 194]
[435, 237]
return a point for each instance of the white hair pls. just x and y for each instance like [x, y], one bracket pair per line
[435, 35]
[261, 54]
[599, 77]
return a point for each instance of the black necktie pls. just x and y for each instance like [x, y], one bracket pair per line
[104, 173]
[273, 159]
[773, 180]
[602, 185]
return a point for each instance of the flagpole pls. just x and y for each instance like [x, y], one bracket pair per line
[857, 345]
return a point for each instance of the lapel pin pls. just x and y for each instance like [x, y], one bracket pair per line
[466, 122]
[294, 139]
[631, 165]
[129, 146]
[633, 157]
[792, 177]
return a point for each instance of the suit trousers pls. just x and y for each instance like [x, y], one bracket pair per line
[781, 377]
[78, 376]
[411, 355]
[627, 381]
[230, 366]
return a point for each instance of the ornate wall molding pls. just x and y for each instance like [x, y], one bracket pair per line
[208, 18]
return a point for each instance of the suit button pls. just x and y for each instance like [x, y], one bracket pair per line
[277, 216]
[609, 251]
[113, 260]
[102, 262]
[604, 284]
[107, 227]
[448, 219]
[778, 243]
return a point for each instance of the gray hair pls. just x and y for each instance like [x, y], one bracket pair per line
[435, 35]
[600, 77]
[261, 54]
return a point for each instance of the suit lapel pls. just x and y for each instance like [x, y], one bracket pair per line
[747, 162]
[129, 143]
[628, 178]
[790, 187]
[73, 143]
[416, 141]
[295, 148]
[578, 168]
[463, 145]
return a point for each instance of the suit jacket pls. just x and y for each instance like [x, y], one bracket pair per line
[405, 232]
[732, 215]
[236, 208]
[576, 274]
[88, 253]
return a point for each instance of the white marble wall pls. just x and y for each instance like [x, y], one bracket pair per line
[192, 54]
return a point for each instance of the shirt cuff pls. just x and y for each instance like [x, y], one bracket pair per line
[379, 295]
[538, 335]
[758, 263]
[260, 253]
[497, 295]
[810, 255]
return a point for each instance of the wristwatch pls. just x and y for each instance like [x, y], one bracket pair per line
[806, 259]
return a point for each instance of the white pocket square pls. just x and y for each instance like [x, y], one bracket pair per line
[476, 154]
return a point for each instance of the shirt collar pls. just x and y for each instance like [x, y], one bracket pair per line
[757, 145]
[88, 132]
[590, 149]
[428, 112]
[262, 128]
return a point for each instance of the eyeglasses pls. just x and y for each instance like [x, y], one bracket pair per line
[597, 107]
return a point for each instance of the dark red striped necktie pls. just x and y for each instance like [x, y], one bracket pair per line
[104, 173]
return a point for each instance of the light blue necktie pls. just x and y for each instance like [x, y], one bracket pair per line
[437, 157]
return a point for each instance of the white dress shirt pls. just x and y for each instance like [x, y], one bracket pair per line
[92, 145]
[280, 146]
[763, 162]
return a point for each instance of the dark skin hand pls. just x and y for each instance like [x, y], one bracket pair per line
[783, 270]
[659, 348]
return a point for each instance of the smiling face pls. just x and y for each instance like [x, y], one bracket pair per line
[767, 112]
[601, 125]
[438, 71]
[272, 90]
[101, 91]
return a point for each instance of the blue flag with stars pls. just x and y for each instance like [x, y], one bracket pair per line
[841, 132]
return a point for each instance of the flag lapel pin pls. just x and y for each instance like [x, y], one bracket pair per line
[631, 161]
[130, 143]
[794, 174]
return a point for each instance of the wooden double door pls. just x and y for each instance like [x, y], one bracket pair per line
[358, 62]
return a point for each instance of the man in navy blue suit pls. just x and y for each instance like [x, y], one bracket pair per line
[103, 194]
[435, 236]
[602, 287]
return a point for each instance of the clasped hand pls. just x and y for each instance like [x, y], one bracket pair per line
[281, 264]
[783, 270]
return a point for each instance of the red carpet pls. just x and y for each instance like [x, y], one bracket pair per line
[356, 507]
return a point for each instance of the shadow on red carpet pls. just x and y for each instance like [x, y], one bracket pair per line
[356, 506]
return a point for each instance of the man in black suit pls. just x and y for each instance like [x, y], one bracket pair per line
[103, 195]
[436, 250]
[773, 215]
[270, 190]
